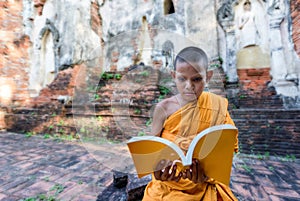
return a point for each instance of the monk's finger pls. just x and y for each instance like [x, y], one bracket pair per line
[172, 173]
[200, 173]
[165, 173]
[159, 169]
[201, 177]
[189, 173]
[173, 176]
[183, 174]
[194, 171]
[157, 174]
[178, 177]
[161, 165]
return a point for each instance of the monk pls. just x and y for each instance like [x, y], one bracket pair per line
[179, 119]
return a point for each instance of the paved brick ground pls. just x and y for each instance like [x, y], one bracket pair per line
[32, 167]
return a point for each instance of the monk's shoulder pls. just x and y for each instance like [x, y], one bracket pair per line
[207, 98]
[207, 95]
[219, 98]
[169, 105]
[167, 102]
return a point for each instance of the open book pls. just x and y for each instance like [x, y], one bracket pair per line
[213, 147]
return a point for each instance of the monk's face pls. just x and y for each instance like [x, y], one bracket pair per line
[190, 79]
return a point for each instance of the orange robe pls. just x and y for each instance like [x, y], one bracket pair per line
[181, 127]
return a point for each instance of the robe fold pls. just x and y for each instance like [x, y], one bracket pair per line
[181, 127]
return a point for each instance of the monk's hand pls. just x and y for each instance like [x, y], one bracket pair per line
[195, 172]
[166, 171]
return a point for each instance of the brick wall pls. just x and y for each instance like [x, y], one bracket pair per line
[254, 92]
[272, 131]
[46, 114]
[14, 45]
[265, 127]
[254, 81]
[295, 13]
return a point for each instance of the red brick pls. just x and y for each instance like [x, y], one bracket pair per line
[295, 13]
[85, 198]
[282, 192]
[2, 196]
[113, 68]
[71, 190]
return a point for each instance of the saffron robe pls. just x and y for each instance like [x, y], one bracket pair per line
[181, 127]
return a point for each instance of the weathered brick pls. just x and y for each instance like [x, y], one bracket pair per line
[2, 196]
[282, 192]
[295, 12]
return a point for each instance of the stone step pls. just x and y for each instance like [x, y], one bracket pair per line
[273, 131]
[265, 114]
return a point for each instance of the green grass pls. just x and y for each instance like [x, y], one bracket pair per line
[47, 136]
[55, 190]
[149, 122]
[247, 168]
[141, 133]
[29, 134]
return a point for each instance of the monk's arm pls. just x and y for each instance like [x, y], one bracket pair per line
[159, 117]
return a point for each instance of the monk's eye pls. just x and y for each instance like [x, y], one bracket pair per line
[198, 79]
[180, 79]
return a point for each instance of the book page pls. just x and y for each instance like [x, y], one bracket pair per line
[148, 152]
[215, 152]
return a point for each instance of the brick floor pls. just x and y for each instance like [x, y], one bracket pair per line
[33, 166]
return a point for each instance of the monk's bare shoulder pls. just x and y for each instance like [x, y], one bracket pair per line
[161, 112]
[169, 105]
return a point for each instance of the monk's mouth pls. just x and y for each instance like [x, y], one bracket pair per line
[189, 94]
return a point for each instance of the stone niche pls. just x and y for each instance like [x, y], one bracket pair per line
[62, 37]
[255, 41]
[45, 70]
[251, 35]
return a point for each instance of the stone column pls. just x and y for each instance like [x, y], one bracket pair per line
[225, 16]
[228, 27]
[289, 90]
[278, 63]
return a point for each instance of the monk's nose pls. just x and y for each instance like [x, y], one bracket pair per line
[189, 85]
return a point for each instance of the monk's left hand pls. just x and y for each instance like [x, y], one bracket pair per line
[195, 172]
[166, 171]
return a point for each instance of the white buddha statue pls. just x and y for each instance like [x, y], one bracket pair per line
[247, 27]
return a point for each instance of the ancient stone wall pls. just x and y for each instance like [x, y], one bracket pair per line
[143, 29]
[93, 21]
[60, 38]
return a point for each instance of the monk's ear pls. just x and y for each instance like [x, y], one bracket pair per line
[209, 75]
[173, 74]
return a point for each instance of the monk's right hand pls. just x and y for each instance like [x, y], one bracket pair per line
[166, 171]
[195, 173]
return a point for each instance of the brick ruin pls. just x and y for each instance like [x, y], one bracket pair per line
[72, 105]
[265, 124]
